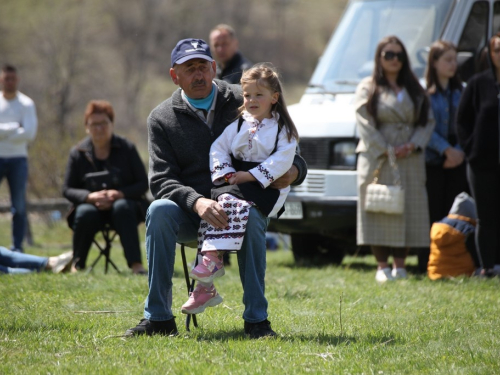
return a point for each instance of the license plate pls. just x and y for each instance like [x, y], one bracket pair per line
[293, 210]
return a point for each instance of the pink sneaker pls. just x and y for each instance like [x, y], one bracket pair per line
[200, 299]
[210, 268]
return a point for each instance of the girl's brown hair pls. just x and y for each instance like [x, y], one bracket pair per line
[405, 79]
[438, 49]
[265, 74]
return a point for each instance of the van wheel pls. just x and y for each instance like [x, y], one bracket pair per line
[315, 250]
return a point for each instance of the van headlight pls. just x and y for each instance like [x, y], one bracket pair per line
[343, 155]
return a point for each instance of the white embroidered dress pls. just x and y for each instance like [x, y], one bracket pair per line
[254, 142]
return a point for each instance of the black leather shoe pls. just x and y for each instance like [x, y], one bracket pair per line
[148, 327]
[258, 330]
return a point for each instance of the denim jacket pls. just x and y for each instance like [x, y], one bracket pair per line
[434, 152]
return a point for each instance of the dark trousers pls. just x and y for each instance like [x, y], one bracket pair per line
[485, 187]
[122, 218]
[443, 185]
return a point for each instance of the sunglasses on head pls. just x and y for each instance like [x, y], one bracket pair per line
[390, 55]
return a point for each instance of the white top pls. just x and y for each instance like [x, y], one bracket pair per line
[254, 142]
[18, 125]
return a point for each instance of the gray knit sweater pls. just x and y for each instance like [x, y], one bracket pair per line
[179, 146]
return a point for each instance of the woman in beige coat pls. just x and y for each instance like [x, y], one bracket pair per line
[393, 114]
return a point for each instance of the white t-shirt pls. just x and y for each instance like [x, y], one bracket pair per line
[18, 125]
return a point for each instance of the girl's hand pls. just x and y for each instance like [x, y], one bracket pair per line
[240, 178]
[454, 157]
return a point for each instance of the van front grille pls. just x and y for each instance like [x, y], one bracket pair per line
[314, 183]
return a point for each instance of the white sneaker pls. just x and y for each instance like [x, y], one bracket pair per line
[59, 263]
[383, 275]
[399, 273]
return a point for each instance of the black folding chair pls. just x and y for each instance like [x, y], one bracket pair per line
[108, 235]
[189, 283]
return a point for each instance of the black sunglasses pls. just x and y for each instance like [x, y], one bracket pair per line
[390, 55]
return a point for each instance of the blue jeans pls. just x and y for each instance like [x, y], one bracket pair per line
[16, 171]
[14, 262]
[166, 224]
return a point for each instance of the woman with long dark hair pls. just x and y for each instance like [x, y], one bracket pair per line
[444, 158]
[393, 119]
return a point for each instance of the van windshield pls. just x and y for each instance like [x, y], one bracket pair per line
[349, 55]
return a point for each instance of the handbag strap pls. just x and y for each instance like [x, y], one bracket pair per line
[394, 166]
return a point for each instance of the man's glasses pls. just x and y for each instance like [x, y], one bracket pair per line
[390, 55]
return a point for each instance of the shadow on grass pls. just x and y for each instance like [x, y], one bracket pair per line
[321, 338]
[413, 270]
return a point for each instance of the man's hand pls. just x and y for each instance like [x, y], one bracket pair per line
[454, 157]
[211, 212]
[240, 178]
[287, 179]
[100, 199]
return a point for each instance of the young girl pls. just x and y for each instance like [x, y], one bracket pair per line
[250, 155]
[444, 159]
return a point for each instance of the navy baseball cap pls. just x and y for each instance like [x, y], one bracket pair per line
[188, 49]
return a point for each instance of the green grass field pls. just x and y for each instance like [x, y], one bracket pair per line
[57, 324]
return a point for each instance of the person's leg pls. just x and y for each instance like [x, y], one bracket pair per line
[166, 223]
[435, 186]
[485, 185]
[14, 259]
[456, 183]
[252, 266]
[381, 254]
[400, 254]
[17, 176]
[88, 221]
[124, 221]
[12, 271]
[399, 266]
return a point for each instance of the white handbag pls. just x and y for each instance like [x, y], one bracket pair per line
[387, 199]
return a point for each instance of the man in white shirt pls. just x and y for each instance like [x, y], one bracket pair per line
[18, 125]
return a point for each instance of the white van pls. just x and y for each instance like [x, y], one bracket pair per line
[320, 214]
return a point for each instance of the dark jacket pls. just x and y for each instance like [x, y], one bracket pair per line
[234, 68]
[478, 121]
[123, 160]
[179, 146]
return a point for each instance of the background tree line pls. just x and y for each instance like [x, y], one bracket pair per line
[71, 51]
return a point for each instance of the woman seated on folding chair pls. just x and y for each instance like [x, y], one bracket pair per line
[106, 181]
